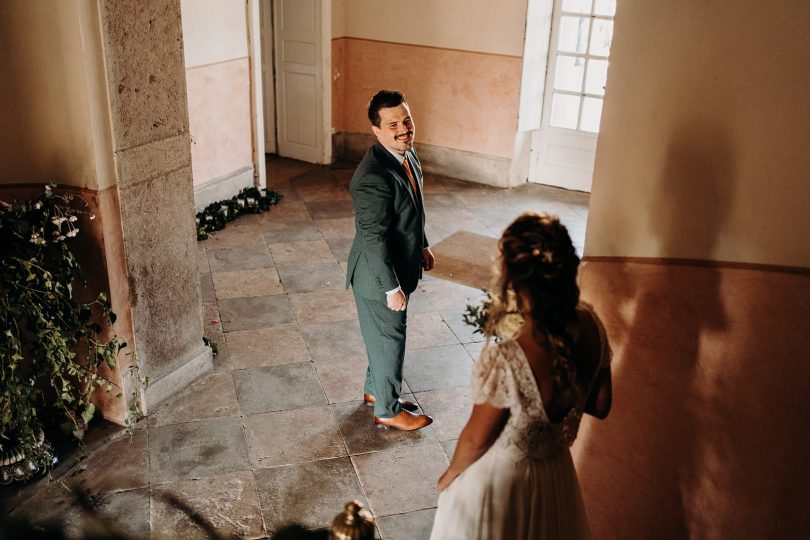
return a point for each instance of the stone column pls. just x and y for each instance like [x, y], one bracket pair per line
[143, 55]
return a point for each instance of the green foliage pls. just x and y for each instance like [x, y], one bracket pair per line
[50, 346]
[505, 323]
[248, 201]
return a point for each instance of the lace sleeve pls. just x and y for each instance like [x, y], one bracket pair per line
[492, 379]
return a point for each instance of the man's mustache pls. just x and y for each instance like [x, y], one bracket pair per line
[404, 135]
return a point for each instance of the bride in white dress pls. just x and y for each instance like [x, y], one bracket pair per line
[512, 476]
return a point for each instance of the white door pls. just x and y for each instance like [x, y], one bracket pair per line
[299, 79]
[564, 148]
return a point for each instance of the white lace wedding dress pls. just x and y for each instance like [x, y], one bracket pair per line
[525, 485]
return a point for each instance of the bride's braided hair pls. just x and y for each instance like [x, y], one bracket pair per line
[538, 276]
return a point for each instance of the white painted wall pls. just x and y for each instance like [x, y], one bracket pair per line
[703, 148]
[214, 31]
[469, 25]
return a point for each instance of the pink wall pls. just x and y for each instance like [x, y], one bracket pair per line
[709, 431]
[460, 99]
[219, 119]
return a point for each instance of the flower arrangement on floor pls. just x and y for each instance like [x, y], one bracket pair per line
[495, 323]
[50, 345]
[250, 200]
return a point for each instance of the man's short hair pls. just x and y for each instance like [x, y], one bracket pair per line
[383, 99]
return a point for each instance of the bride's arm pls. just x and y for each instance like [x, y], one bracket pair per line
[485, 424]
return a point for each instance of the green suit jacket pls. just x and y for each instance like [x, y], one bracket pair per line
[389, 225]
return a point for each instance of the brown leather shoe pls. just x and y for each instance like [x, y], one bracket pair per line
[404, 421]
[410, 406]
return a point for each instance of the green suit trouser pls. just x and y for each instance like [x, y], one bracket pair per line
[384, 335]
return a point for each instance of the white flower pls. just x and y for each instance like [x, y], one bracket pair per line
[73, 218]
[72, 233]
[92, 217]
[38, 205]
[58, 220]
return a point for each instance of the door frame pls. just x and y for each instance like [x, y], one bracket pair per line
[253, 16]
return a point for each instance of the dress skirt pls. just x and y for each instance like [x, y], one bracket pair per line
[499, 498]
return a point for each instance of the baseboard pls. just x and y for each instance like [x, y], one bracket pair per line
[200, 361]
[223, 187]
[471, 166]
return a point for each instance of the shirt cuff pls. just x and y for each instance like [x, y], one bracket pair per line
[392, 291]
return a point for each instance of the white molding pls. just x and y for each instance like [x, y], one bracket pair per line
[253, 14]
[223, 187]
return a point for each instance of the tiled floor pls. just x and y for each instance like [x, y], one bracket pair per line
[277, 432]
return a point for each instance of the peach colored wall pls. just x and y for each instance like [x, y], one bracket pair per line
[702, 152]
[219, 119]
[709, 431]
[461, 100]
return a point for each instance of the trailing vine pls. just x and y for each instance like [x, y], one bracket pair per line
[50, 343]
[250, 200]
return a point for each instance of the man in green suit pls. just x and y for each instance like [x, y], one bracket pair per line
[389, 252]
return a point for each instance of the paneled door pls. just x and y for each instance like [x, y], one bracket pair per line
[564, 148]
[299, 79]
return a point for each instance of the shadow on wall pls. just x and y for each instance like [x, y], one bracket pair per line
[709, 432]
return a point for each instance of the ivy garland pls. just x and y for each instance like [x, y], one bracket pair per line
[50, 345]
[250, 200]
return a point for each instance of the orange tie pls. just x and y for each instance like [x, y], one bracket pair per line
[410, 177]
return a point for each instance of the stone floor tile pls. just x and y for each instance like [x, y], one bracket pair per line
[276, 232]
[301, 253]
[256, 312]
[448, 295]
[323, 306]
[342, 378]
[210, 396]
[428, 330]
[450, 409]
[266, 347]
[212, 325]
[411, 526]
[310, 494]
[330, 209]
[437, 367]
[361, 435]
[474, 349]
[286, 210]
[450, 447]
[120, 465]
[332, 228]
[333, 339]
[418, 301]
[401, 480]
[206, 288]
[222, 358]
[196, 449]
[127, 512]
[340, 247]
[293, 436]
[325, 191]
[454, 318]
[277, 388]
[229, 503]
[202, 258]
[231, 237]
[239, 258]
[313, 277]
[246, 283]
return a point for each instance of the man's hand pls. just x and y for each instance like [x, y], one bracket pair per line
[396, 301]
[428, 260]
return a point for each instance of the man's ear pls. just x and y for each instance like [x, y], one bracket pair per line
[375, 130]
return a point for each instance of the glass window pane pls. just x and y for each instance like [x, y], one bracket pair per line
[602, 35]
[605, 7]
[591, 114]
[577, 6]
[564, 111]
[596, 79]
[568, 73]
[573, 34]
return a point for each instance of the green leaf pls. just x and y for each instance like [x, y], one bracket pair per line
[88, 412]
